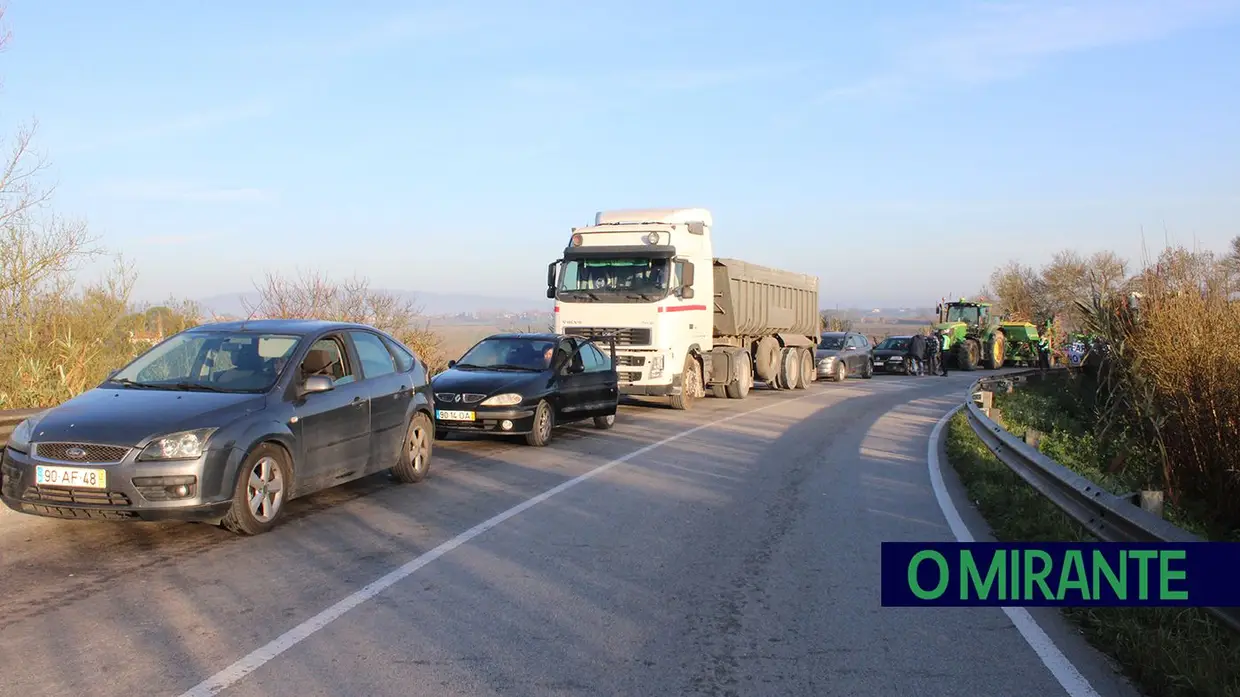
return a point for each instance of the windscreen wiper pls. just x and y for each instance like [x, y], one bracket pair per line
[195, 386]
[135, 385]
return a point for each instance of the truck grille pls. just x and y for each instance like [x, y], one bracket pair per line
[91, 452]
[625, 336]
[630, 361]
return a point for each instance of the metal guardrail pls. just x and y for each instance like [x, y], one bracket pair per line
[9, 420]
[1104, 515]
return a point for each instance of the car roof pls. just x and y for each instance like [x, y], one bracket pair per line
[299, 327]
[533, 336]
[898, 336]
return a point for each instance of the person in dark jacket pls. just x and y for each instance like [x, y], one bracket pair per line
[932, 353]
[917, 352]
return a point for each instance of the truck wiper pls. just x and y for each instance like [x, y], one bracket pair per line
[589, 294]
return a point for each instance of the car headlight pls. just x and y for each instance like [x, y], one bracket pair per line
[184, 445]
[502, 400]
[20, 439]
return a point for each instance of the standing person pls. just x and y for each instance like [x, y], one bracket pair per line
[917, 351]
[941, 340]
[932, 353]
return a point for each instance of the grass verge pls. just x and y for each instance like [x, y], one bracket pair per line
[1167, 652]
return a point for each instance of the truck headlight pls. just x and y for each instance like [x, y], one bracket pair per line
[656, 366]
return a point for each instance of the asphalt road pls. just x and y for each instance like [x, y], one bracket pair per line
[740, 558]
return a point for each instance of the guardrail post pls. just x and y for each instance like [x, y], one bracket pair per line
[988, 401]
[1149, 500]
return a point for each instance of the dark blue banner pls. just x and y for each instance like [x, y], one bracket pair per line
[936, 574]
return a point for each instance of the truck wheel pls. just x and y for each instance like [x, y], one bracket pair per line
[740, 388]
[691, 380]
[789, 368]
[806, 370]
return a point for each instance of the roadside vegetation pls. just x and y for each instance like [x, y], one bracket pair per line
[62, 332]
[1155, 408]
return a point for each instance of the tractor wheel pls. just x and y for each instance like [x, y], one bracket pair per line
[968, 354]
[998, 351]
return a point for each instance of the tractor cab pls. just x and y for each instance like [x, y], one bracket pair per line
[972, 314]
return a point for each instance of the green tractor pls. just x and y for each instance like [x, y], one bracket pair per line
[977, 338]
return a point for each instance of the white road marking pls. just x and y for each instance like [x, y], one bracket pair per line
[1071, 679]
[264, 654]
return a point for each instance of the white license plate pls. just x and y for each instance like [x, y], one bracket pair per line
[71, 476]
[454, 415]
[878, 362]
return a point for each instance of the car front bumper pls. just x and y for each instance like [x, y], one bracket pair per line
[133, 490]
[519, 421]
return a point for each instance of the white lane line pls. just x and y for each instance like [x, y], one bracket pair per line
[261, 656]
[1070, 679]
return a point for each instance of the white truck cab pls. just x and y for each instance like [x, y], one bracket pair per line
[646, 276]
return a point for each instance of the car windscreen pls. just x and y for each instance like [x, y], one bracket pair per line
[508, 354]
[211, 361]
[892, 343]
[831, 343]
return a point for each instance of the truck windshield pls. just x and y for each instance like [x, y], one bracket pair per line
[644, 279]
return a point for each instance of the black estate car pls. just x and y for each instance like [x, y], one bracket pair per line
[226, 423]
[526, 384]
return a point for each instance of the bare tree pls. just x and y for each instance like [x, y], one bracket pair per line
[1020, 290]
[313, 295]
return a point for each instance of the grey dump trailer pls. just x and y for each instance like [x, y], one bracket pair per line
[766, 327]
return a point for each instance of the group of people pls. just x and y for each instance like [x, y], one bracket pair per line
[926, 354]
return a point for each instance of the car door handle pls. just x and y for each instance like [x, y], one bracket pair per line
[358, 401]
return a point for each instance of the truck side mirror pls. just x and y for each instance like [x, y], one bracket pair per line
[550, 292]
[686, 274]
[686, 292]
[551, 278]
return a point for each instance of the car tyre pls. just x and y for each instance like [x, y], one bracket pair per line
[604, 423]
[261, 491]
[841, 371]
[544, 422]
[868, 371]
[415, 456]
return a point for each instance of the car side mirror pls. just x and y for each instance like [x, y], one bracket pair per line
[317, 383]
[573, 369]
[451, 364]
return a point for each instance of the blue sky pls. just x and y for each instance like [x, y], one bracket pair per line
[451, 146]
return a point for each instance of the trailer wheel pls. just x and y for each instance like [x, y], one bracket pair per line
[789, 368]
[744, 381]
[690, 383]
[806, 372]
